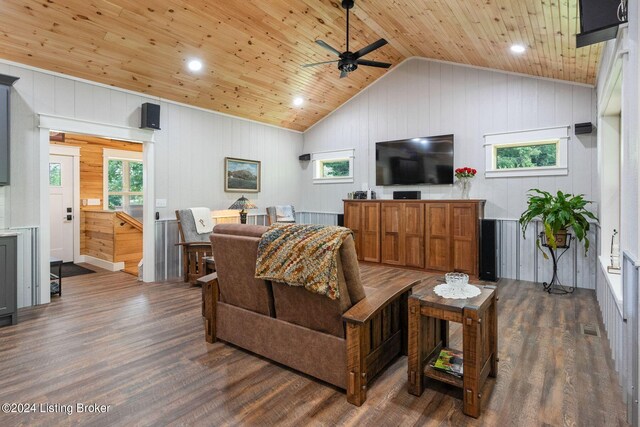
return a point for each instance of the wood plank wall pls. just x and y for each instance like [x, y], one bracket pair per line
[99, 235]
[91, 174]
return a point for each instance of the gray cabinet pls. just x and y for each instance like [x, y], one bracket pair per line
[5, 91]
[8, 280]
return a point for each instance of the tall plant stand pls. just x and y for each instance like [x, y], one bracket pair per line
[555, 286]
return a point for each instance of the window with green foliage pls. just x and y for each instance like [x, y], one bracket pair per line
[332, 167]
[124, 186]
[55, 174]
[530, 155]
[335, 168]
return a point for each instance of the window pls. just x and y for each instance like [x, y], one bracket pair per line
[537, 152]
[529, 155]
[123, 182]
[55, 174]
[333, 167]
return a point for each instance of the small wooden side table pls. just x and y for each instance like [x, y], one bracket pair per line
[429, 317]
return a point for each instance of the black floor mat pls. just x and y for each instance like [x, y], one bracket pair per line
[70, 269]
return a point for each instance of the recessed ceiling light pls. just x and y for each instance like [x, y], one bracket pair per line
[517, 48]
[298, 101]
[195, 65]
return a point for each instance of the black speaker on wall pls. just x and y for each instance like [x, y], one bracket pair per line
[489, 250]
[150, 116]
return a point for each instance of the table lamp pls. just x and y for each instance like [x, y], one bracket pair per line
[241, 204]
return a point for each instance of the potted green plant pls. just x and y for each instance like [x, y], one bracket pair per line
[558, 213]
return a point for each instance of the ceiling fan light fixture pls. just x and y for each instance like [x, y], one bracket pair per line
[194, 65]
[517, 48]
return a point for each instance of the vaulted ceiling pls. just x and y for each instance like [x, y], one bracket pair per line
[253, 50]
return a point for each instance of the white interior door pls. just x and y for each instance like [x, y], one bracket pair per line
[61, 206]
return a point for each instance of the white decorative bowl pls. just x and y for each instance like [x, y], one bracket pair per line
[457, 280]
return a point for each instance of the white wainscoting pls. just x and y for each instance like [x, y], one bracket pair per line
[613, 321]
[518, 258]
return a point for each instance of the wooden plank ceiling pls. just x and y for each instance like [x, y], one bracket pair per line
[253, 50]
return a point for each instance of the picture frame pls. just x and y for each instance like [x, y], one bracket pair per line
[242, 175]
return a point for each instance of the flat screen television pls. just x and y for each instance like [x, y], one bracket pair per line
[427, 160]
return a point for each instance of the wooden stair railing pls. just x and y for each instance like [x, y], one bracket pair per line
[127, 242]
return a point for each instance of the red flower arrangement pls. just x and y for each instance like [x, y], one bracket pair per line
[465, 172]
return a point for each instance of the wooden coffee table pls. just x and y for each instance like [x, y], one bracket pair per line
[429, 317]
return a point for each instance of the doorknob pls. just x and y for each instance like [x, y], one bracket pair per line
[68, 218]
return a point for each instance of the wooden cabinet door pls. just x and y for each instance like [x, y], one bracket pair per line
[438, 237]
[370, 231]
[393, 232]
[464, 220]
[414, 235]
[353, 219]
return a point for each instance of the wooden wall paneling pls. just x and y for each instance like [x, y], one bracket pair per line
[438, 231]
[464, 244]
[414, 235]
[353, 219]
[91, 171]
[393, 233]
[370, 245]
[99, 233]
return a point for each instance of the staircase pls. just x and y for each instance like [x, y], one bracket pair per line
[127, 245]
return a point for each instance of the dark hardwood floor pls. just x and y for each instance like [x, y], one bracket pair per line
[140, 348]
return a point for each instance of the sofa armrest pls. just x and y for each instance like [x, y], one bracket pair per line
[372, 304]
[210, 295]
[203, 244]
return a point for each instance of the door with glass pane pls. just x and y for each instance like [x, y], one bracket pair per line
[124, 186]
[61, 213]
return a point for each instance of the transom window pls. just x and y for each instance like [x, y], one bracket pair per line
[333, 167]
[537, 152]
[123, 182]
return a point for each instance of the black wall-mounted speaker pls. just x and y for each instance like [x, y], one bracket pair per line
[489, 250]
[305, 157]
[150, 116]
[583, 128]
[412, 195]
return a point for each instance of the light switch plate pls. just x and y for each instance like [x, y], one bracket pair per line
[161, 203]
[93, 202]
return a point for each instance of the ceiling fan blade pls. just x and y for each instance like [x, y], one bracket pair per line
[373, 63]
[326, 46]
[343, 74]
[373, 46]
[319, 63]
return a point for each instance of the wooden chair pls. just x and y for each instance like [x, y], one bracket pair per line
[283, 213]
[195, 247]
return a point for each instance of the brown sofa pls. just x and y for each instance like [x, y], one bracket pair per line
[344, 342]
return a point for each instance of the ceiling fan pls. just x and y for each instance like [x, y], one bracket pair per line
[349, 61]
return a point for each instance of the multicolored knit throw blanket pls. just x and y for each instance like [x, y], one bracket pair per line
[302, 255]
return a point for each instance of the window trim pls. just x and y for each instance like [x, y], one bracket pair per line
[317, 159]
[111, 154]
[559, 135]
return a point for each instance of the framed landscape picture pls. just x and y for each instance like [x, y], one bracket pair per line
[241, 176]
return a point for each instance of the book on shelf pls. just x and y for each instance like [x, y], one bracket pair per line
[450, 361]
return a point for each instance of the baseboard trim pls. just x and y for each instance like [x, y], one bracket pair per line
[107, 265]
